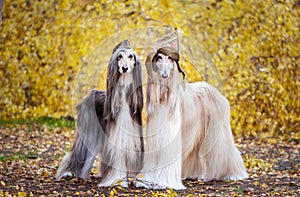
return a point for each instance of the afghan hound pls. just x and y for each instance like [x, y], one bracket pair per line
[188, 128]
[109, 124]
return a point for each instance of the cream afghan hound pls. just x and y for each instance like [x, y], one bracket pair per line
[109, 124]
[188, 129]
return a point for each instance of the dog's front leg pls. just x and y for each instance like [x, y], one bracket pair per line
[163, 156]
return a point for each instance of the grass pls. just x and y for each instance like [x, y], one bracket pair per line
[32, 154]
[49, 122]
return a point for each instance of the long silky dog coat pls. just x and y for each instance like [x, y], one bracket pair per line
[109, 124]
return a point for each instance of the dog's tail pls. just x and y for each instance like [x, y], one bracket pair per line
[89, 139]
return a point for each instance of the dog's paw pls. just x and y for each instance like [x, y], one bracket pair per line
[148, 185]
[140, 184]
[120, 182]
[66, 175]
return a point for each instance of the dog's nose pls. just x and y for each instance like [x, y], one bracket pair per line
[124, 68]
[164, 75]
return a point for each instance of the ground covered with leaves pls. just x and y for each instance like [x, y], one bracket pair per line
[30, 155]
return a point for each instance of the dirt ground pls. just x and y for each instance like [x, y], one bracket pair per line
[29, 158]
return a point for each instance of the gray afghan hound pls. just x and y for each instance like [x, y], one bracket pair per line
[188, 128]
[109, 124]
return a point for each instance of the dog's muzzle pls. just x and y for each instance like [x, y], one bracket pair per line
[164, 74]
[124, 68]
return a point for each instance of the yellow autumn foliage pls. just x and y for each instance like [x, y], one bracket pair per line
[254, 45]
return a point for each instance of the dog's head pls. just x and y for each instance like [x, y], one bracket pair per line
[165, 61]
[123, 59]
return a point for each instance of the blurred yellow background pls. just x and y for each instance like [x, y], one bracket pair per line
[255, 46]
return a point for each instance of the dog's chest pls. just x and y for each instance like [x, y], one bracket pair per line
[124, 90]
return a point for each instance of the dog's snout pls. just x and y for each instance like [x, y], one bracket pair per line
[165, 75]
[124, 68]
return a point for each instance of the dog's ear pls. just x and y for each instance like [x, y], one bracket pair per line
[136, 103]
[149, 65]
[181, 70]
[153, 62]
[137, 71]
[112, 78]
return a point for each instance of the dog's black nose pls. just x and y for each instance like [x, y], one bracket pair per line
[164, 75]
[124, 68]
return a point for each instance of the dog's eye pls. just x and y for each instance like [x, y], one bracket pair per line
[119, 57]
[170, 58]
[130, 56]
[159, 57]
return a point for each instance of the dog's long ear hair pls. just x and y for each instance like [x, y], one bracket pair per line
[136, 99]
[112, 78]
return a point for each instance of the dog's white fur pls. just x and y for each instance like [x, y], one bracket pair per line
[188, 129]
[122, 150]
[109, 124]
